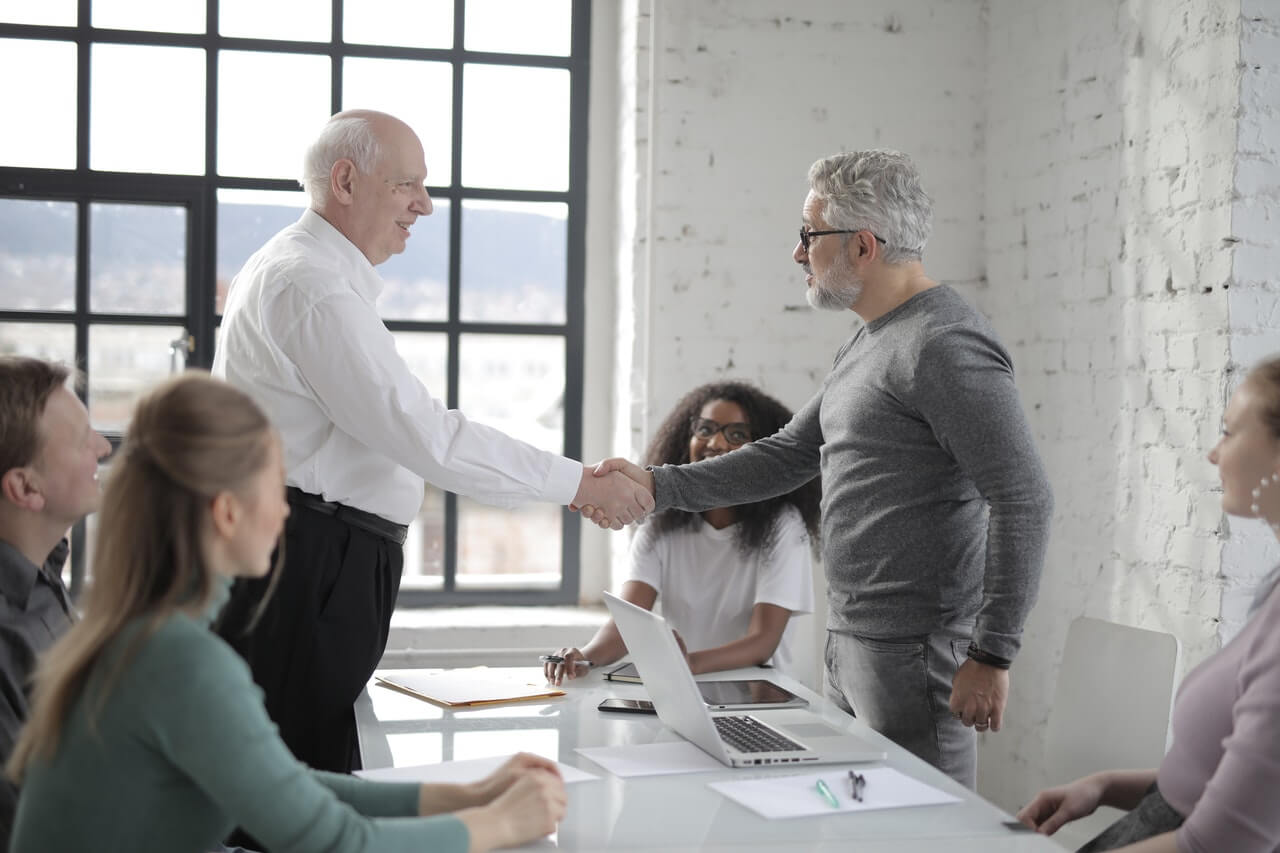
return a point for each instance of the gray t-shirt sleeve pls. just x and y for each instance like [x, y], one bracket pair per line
[760, 470]
[964, 388]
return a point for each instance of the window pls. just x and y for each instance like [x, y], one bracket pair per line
[161, 149]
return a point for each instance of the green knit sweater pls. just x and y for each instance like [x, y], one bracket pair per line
[183, 751]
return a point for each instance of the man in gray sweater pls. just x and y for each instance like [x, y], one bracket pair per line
[935, 504]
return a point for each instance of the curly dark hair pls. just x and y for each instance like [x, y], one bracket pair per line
[765, 416]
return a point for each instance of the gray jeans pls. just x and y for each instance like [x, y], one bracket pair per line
[901, 687]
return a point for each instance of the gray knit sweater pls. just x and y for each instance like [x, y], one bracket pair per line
[935, 503]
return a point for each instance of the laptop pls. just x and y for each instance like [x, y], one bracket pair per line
[792, 736]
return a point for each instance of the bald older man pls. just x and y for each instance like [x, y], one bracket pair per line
[361, 434]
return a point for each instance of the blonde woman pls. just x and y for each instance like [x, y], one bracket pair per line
[147, 732]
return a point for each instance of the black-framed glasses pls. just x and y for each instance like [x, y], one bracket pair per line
[806, 235]
[736, 434]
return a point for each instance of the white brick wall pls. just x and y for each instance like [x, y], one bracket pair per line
[1104, 179]
[1110, 147]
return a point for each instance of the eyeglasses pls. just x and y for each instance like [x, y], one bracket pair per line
[735, 434]
[409, 186]
[806, 236]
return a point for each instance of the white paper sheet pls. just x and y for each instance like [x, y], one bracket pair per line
[797, 796]
[651, 759]
[472, 770]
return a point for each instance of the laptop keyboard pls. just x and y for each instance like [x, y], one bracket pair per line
[747, 734]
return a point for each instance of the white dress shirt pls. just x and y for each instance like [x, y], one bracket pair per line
[301, 334]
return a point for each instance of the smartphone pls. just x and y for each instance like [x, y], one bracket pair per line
[627, 706]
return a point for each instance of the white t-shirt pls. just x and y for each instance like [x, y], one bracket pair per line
[707, 587]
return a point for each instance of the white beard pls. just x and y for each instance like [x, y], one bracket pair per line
[838, 290]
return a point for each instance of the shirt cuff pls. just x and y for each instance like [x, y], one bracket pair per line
[563, 480]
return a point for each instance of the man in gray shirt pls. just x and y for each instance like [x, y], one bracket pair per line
[935, 503]
[49, 458]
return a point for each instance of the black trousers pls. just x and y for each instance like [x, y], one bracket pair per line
[322, 633]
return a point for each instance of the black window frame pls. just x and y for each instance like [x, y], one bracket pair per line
[198, 194]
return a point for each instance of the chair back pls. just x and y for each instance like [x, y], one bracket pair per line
[1111, 708]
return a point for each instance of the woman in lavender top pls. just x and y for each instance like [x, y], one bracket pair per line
[1215, 789]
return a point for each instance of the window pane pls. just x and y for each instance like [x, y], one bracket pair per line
[417, 279]
[50, 341]
[427, 355]
[519, 26]
[422, 23]
[270, 108]
[247, 219]
[37, 255]
[514, 383]
[418, 93]
[513, 261]
[127, 132]
[125, 361]
[498, 100]
[52, 13]
[508, 547]
[46, 100]
[171, 16]
[295, 20]
[424, 547]
[137, 259]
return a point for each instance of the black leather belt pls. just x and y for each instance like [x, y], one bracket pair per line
[366, 521]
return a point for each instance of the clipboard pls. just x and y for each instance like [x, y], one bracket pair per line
[463, 689]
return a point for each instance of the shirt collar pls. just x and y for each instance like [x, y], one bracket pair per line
[17, 575]
[363, 277]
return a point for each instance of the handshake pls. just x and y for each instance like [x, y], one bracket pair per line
[615, 493]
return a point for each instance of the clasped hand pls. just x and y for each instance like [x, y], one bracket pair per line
[615, 493]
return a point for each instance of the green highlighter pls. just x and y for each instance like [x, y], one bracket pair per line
[827, 795]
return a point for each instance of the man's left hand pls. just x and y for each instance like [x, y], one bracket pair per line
[978, 695]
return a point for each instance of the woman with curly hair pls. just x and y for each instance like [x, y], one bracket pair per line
[729, 578]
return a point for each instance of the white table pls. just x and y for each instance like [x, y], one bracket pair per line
[678, 812]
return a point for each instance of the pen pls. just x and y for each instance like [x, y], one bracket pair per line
[857, 783]
[827, 795]
[558, 659]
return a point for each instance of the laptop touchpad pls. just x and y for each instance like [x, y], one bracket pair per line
[812, 730]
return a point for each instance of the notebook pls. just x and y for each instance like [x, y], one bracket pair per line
[626, 672]
[791, 736]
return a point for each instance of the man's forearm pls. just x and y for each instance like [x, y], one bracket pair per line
[758, 471]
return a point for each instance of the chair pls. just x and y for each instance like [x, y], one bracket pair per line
[1110, 710]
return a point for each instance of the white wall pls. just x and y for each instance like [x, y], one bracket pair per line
[1110, 152]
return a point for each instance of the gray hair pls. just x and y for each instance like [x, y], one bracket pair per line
[344, 137]
[878, 190]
